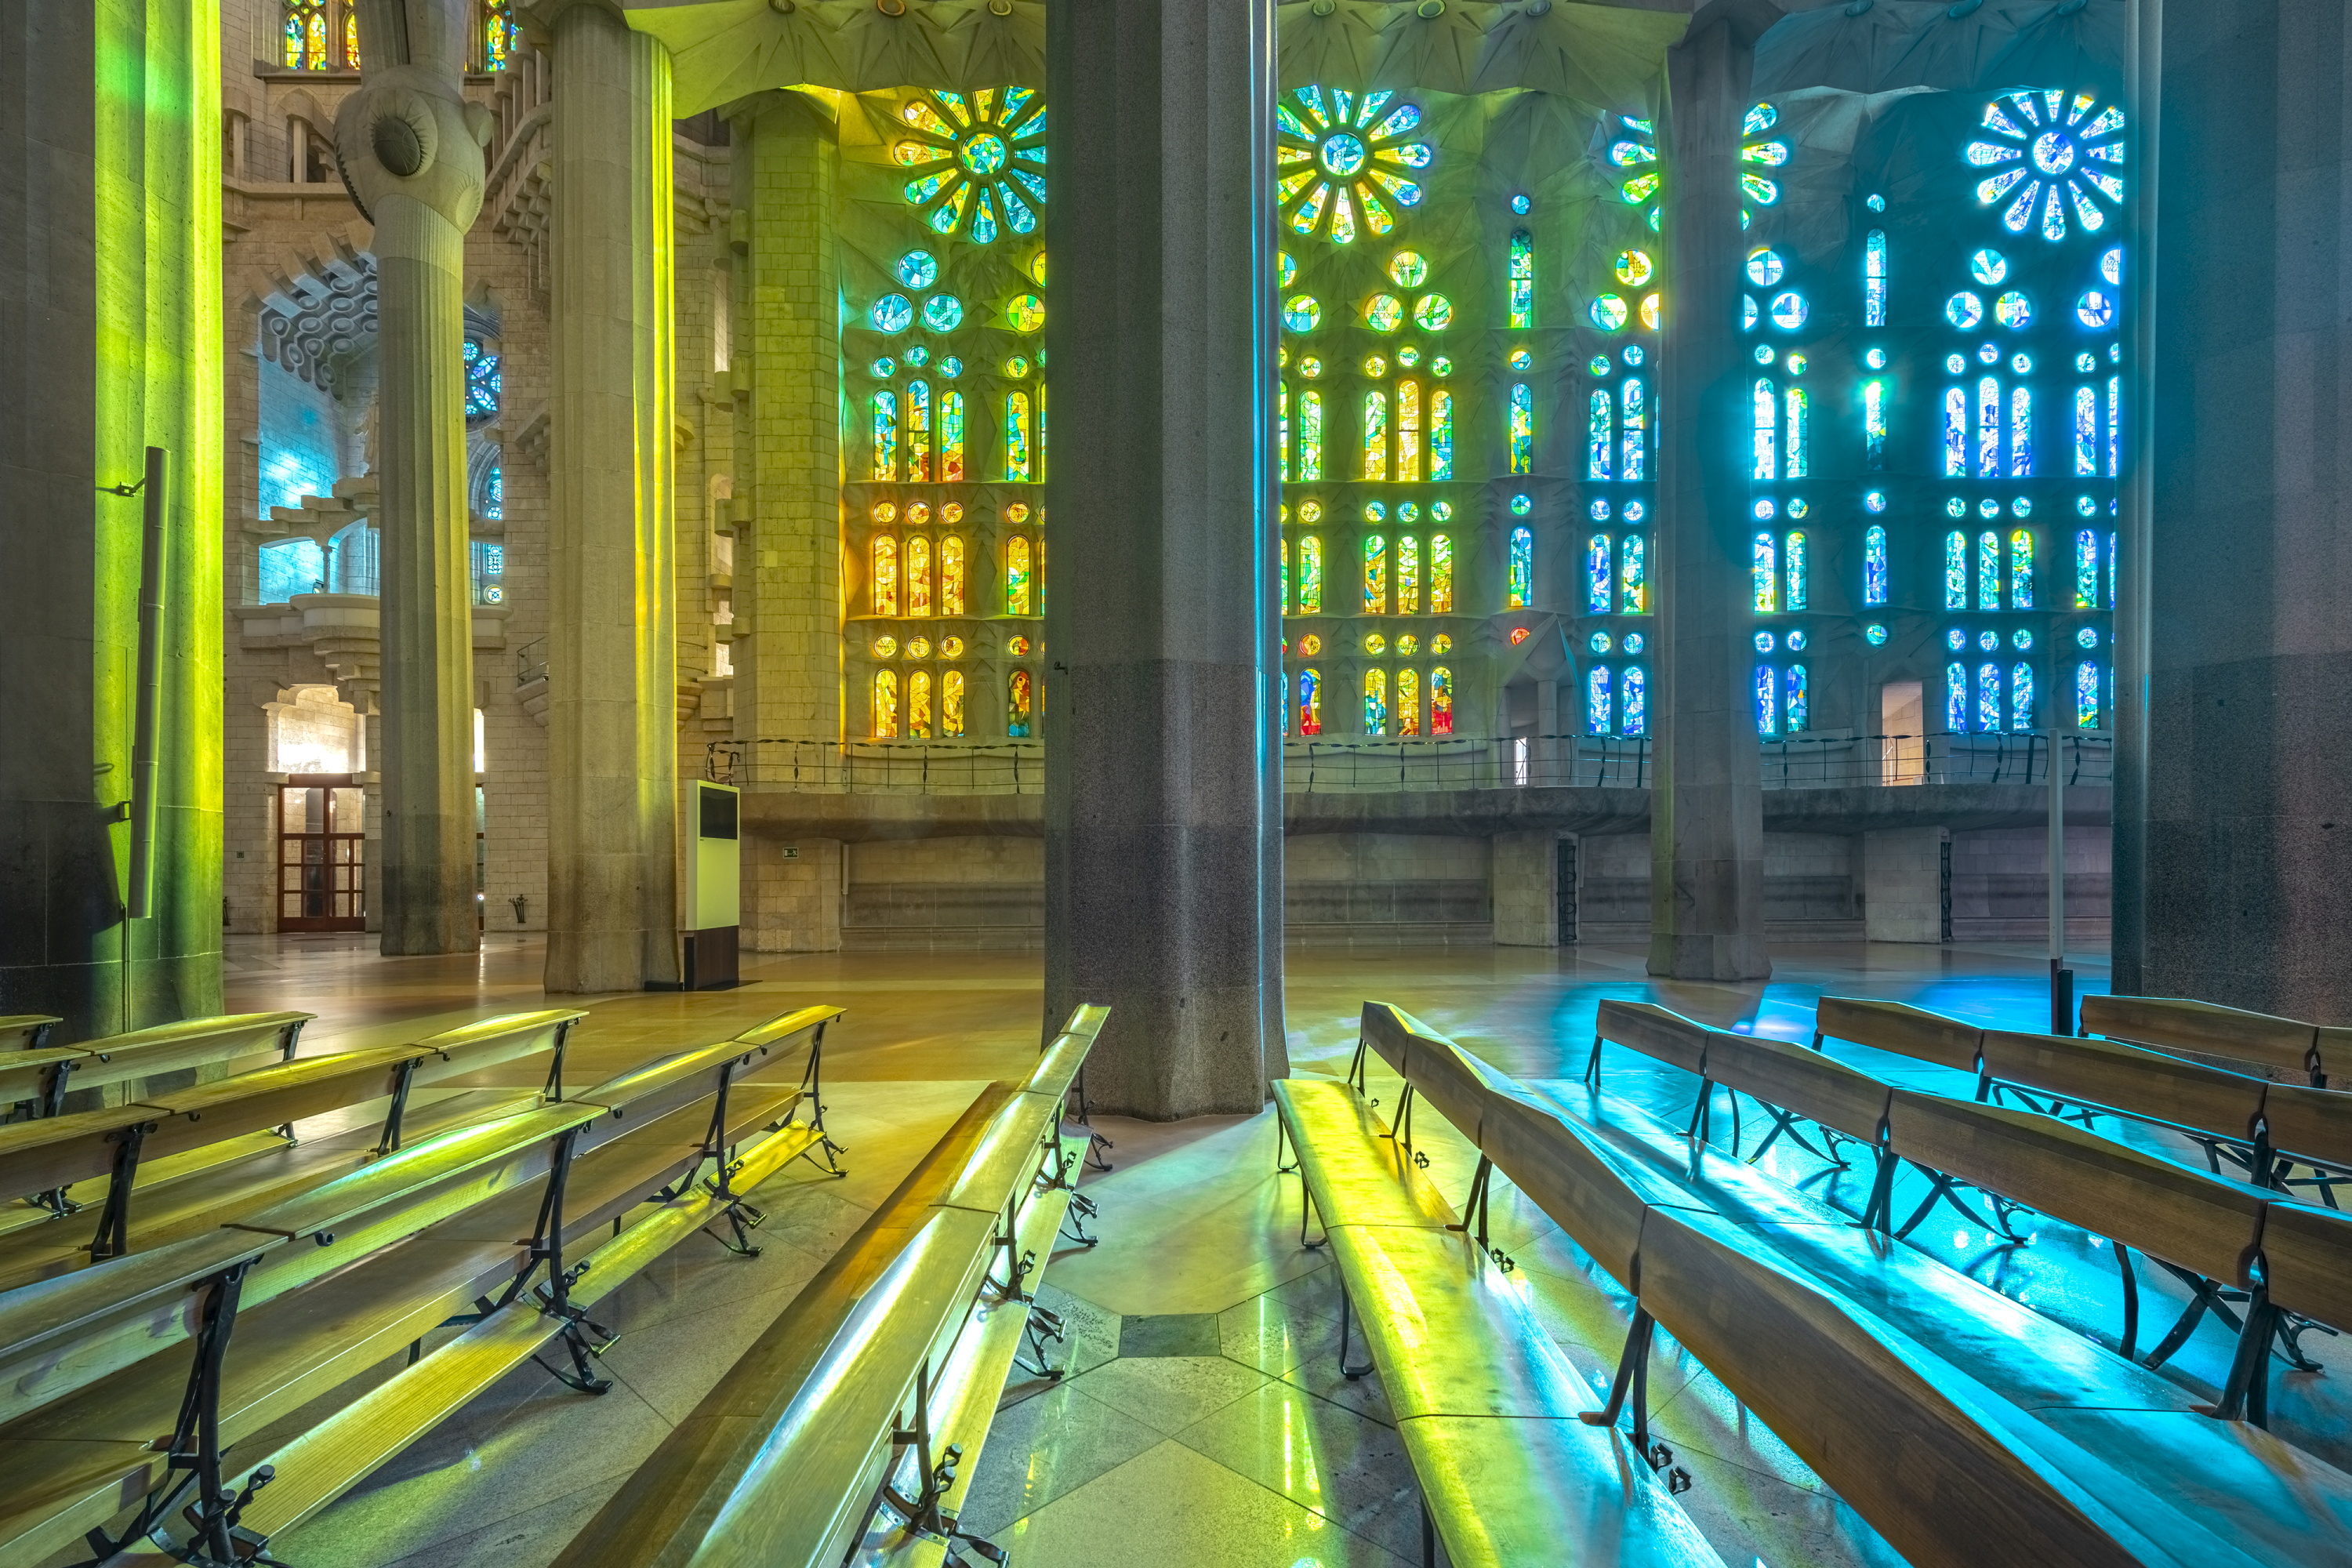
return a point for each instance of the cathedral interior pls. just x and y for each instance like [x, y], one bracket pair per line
[702, 868]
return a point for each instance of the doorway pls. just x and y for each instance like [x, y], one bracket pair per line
[321, 853]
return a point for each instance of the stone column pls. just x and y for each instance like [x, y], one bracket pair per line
[1160, 739]
[2247, 866]
[612, 658]
[1525, 886]
[1706, 840]
[410, 148]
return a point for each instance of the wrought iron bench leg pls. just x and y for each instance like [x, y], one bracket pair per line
[1347, 1322]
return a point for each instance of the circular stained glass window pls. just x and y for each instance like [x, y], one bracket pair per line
[883, 369]
[1955, 638]
[1633, 354]
[918, 513]
[1375, 644]
[1600, 642]
[2086, 363]
[1988, 640]
[1766, 266]
[1875, 501]
[1409, 356]
[1310, 367]
[1875, 202]
[1650, 311]
[951, 513]
[2111, 266]
[1987, 508]
[891, 313]
[1875, 635]
[1797, 364]
[1798, 509]
[1302, 313]
[2087, 637]
[1374, 511]
[1375, 366]
[1521, 506]
[1408, 269]
[1609, 313]
[2086, 506]
[1310, 645]
[919, 269]
[1599, 366]
[1876, 359]
[1766, 642]
[1955, 507]
[2013, 310]
[1409, 513]
[1797, 642]
[1633, 642]
[1441, 365]
[1519, 203]
[1765, 354]
[1310, 511]
[982, 155]
[951, 367]
[1027, 313]
[1599, 511]
[1440, 643]
[942, 313]
[1440, 511]
[1988, 266]
[1432, 312]
[1384, 312]
[2020, 364]
[1016, 367]
[1342, 155]
[2053, 153]
[1632, 511]
[1765, 509]
[1017, 513]
[885, 511]
[918, 647]
[1964, 311]
[952, 647]
[917, 354]
[1018, 648]
[2021, 507]
[1633, 268]
[885, 648]
[2095, 309]
[1955, 364]
[1521, 360]
[1407, 645]
[2020, 639]
[1989, 352]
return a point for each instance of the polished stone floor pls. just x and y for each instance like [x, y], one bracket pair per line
[1202, 1420]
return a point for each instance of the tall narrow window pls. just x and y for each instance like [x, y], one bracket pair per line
[306, 36]
[501, 34]
[1988, 428]
[951, 704]
[1636, 426]
[1988, 570]
[1633, 713]
[1310, 702]
[1798, 427]
[1020, 439]
[1955, 571]
[1874, 565]
[1441, 434]
[1408, 577]
[2021, 697]
[1632, 577]
[886, 435]
[2086, 570]
[1873, 278]
[1376, 574]
[1523, 280]
[1017, 704]
[886, 705]
[1018, 597]
[351, 40]
[2086, 696]
[882, 582]
[1310, 576]
[919, 576]
[2020, 433]
[1766, 439]
[1795, 565]
[1956, 698]
[1523, 428]
[1441, 575]
[1408, 702]
[1765, 575]
[1282, 585]
[1600, 445]
[1597, 578]
[1874, 425]
[1408, 431]
[2114, 425]
[1956, 432]
[918, 705]
[919, 433]
[1310, 435]
[2020, 570]
[952, 437]
[1376, 703]
[1282, 425]
[2086, 431]
[1796, 705]
[1521, 584]
[1988, 696]
[1441, 702]
[1768, 701]
[1599, 701]
[1376, 436]
[951, 574]
[2111, 571]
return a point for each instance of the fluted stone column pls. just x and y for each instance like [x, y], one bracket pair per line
[1162, 860]
[612, 656]
[1706, 834]
[411, 150]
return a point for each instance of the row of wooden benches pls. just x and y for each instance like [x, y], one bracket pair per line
[320, 1285]
[1964, 1428]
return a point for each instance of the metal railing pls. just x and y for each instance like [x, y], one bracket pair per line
[881, 767]
[1369, 765]
[1851, 762]
[531, 661]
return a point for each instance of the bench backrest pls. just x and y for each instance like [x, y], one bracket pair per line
[1801, 1081]
[2144, 1083]
[2314, 1122]
[1654, 1031]
[193, 1043]
[2176, 1023]
[457, 1058]
[25, 1031]
[2307, 1261]
[1903, 1030]
[784, 1026]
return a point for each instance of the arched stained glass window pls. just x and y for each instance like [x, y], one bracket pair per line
[1796, 704]
[919, 433]
[1635, 421]
[1523, 280]
[351, 38]
[886, 705]
[501, 36]
[1282, 583]
[1441, 434]
[1988, 696]
[1020, 439]
[952, 437]
[918, 705]
[1795, 565]
[1600, 702]
[1408, 580]
[1956, 698]
[1632, 577]
[951, 704]
[1874, 425]
[1765, 575]
[1956, 432]
[1764, 437]
[1018, 595]
[1873, 278]
[2020, 569]
[2115, 425]
[1798, 433]
[1523, 428]
[2086, 570]
[886, 435]
[2086, 696]
[1600, 447]
[1633, 715]
[882, 582]
[1440, 577]
[1310, 435]
[306, 36]
[1956, 569]
[1521, 587]
[2111, 571]
[2020, 432]
[1376, 703]
[919, 576]
[1375, 464]
[1282, 429]
[1874, 565]
[1310, 702]
[951, 574]
[2021, 697]
[1988, 570]
[483, 388]
[1310, 576]
[1768, 701]
[2086, 431]
[1018, 688]
[1408, 702]
[1376, 574]
[1408, 431]
[1988, 428]
[1597, 575]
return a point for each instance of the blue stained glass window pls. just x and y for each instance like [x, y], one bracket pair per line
[1764, 574]
[482, 384]
[2020, 570]
[1601, 442]
[1874, 566]
[1956, 431]
[1873, 278]
[1634, 711]
[1795, 705]
[494, 493]
[1521, 586]
[2086, 431]
[1635, 424]
[1766, 438]
[1598, 710]
[2114, 425]
[1988, 570]
[1955, 697]
[1768, 701]
[1798, 430]
[2111, 571]
[1522, 429]
[2021, 698]
[1988, 428]
[1795, 548]
[2086, 696]
[1596, 575]
[1633, 582]
[1955, 571]
[2020, 433]
[1874, 425]
[1988, 696]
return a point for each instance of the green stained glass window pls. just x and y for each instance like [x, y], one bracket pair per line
[1519, 582]
[1440, 575]
[1522, 429]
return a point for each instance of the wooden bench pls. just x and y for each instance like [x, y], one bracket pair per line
[122, 1067]
[855, 1422]
[1949, 1433]
[329, 1282]
[2255, 1039]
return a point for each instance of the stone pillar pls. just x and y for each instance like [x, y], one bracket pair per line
[1160, 739]
[110, 306]
[1706, 844]
[2247, 866]
[1903, 885]
[1525, 884]
[410, 148]
[612, 658]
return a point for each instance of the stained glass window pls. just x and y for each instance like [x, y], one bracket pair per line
[1310, 702]
[1523, 280]
[1337, 147]
[1018, 598]
[1600, 437]
[1988, 696]
[919, 433]
[1310, 435]
[2086, 570]
[2111, 571]
[1955, 571]
[1956, 432]
[1874, 565]
[482, 382]
[886, 435]
[1282, 429]
[2020, 570]
[919, 576]
[1766, 440]
[351, 38]
[1522, 577]
[1020, 439]
[2086, 431]
[886, 705]
[501, 36]
[1874, 425]
[1634, 711]
[1441, 702]
[2086, 696]
[306, 36]
[1376, 703]
[1441, 434]
[981, 173]
[1600, 704]
[1017, 692]
[1376, 574]
[1795, 565]
[1633, 584]
[1376, 435]
[1310, 576]
[1523, 428]
[1798, 430]
[1873, 278]
[1988, 570]
[2021, 697]
[1408, 431]
[951, 704]
[1408, 702]
[1765, 575]
[1597, 575]
[918, 705]
[882, 586]
[2115, 425]
[1955, 697]
[1408, 582]
[2051, 145]
[1636, 422]
[1795, 705]
[2020, 432]
[950, 438]
[1988, 428]
[1768, 701]
[1440, 577]
[951, 574]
